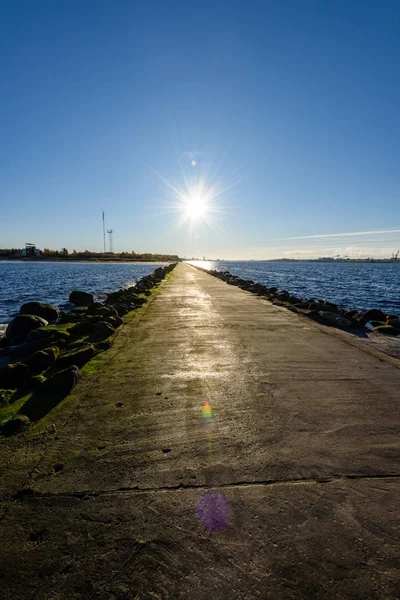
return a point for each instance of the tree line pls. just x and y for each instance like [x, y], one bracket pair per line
[88, 255]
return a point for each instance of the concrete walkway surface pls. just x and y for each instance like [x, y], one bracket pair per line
[224, 448]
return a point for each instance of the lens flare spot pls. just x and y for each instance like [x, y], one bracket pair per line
[193, 163]
[207, 413]
[214, 511]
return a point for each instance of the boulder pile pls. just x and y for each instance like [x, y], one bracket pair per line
[44, 349]
[319, 310]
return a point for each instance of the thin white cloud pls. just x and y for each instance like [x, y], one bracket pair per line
[329, 235]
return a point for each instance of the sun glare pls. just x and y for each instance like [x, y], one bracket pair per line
[196, 201]
[195, 206]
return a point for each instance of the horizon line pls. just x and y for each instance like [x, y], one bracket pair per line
[327, 235]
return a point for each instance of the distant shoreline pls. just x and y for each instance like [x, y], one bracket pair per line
[300, 260]
[85, 260]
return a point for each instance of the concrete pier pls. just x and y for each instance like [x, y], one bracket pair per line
[224, 448]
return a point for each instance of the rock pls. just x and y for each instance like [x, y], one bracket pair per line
[13, 376]
[43, 359]
[115, 297]
[139, 301]
[49, 335]
[5, 397]
[122, 309]
[21, 325]
[114, 321]
[86, 326]
[333, 319]
[17, 424]
[394, 323]
[46, 311]
[374, 314]
[278, 302]
[79, 357]
[325, 307]
[35, 382]
[103, 330]
[79, 310]
[132, 291]
[82, 328]
[21, 351]
[104, 345]
[80, 298]
[283, 296]
[96, 308]
[294, 300]
[302, 305]
[71, 317]
[50, 393]
[387, 329]
[350, 313]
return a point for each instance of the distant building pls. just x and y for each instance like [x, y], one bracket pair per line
[31, 250]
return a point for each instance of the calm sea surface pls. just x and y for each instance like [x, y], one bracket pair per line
[353, 285]
[53, 282]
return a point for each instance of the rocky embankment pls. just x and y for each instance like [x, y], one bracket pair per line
[44, 349]
[319, 310]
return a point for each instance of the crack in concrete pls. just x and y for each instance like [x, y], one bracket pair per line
[28, 492]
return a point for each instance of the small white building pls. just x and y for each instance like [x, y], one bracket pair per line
[31, 250]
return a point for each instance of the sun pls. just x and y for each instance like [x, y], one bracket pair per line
[195, 206]
[196, 201]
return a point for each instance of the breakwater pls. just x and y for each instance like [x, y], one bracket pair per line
[349, 285]
[298, 461]
[320, 310]
[44, 348]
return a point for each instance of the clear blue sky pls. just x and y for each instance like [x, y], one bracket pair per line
[290, 108]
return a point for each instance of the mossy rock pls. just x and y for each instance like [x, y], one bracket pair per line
[103, 330]
[70, 317]
[13, 376]
[78, 357]
[50, 393]
[115, 297]
[17, 424]
[86, 326]
[122, 309]
[35, 382]
[22, 325]
[5, 397]
[51, 333]
[114, 321]
[132, 291]
[104, 345]
[374, 314]
[43, 359]
[140, 301]
[386, 329]
[100, 310]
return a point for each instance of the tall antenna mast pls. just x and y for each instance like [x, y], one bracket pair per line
[104, 235]
[111, 246]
